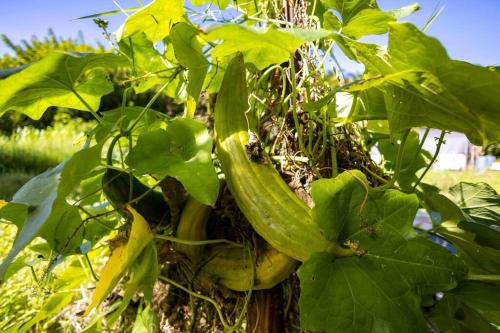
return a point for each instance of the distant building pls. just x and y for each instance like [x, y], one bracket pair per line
[457, 153]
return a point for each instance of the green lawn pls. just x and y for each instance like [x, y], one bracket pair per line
[446, 179]
[31, 151]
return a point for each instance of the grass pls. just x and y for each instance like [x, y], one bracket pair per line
[33, 151]
[30, 151]
[19, 297]
[446, 179]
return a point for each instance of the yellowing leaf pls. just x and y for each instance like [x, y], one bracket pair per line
[3, 203]
[109, 277]
[121, 258]
[140, 235]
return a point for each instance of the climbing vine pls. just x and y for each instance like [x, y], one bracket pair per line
[257, 205]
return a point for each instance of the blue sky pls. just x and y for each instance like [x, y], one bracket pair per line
[470, 30]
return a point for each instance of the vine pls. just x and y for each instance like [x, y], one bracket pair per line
[260, 181]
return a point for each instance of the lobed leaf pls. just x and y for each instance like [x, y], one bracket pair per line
[182, 151]
[381, 289]
[60, 79]
[260, 46]
[446, 94]
[452, 315]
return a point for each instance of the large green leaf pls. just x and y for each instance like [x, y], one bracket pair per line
[146, 321]
[484, 235]
[189, 54]
[78, 168]
[446, 94]
[60, 79]
[460, 98]
[483, 297]
[381, 289]
[39, 195]
[477, 244]
[363, 17]
[479, 200]
[350, 191]
[155, 20]
[482, 260]
[260, 46]
[356, 295]
[182, 151]
[453, 316]
[441, 205]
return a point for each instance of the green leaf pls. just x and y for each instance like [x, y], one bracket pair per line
[350, 188]
[78, 168]
[120, 119]
[447, 209]
[155, 20]
[460, 97]
[182, 151]
[381, 289]
[412, 160]
[146, 61]
[349, 8]
[222, 4]
[15, 266]
[38, 194]
[371, 106]
[368, 22]
[448, 94]
[373, 21]
[452, 315]
[66, 284]
[484, 235]
[480, 201]
[14, 213]
[189, 54]
[404, 11]
[356, 295]
[482, 297]
[481, 260]
[477, 244]
[60, 79]
[146, 321]
[260, 46]
[331, 22]
[362, 17]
